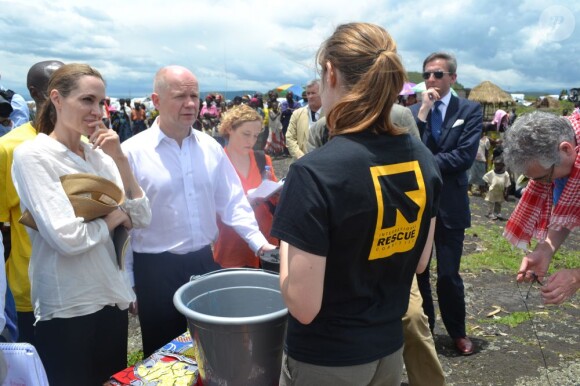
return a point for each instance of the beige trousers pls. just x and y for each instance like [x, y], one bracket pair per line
[419, 355]
[386, 371]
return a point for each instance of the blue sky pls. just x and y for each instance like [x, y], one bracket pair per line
[258, 45]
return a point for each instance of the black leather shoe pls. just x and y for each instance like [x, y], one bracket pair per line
[464, 345]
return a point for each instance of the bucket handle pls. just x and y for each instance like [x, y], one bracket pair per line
[197, 277]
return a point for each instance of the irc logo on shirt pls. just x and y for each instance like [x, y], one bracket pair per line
[401, 198]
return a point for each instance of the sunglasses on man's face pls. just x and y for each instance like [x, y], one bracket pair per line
[438, 74]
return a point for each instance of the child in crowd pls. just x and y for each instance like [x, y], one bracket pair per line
[479, 165]
[275, 142]
[499, 182]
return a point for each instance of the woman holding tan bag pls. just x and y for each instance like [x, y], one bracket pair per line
[80, 294]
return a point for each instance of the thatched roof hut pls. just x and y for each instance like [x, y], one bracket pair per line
[487, 92]
[548, 102]
[490, 96]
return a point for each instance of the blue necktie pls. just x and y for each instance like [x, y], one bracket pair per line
[436, 122]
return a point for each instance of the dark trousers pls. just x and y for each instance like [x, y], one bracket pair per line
[26, 327]
[157, 277]
[84, 350]
[450, 291]
[6, 240]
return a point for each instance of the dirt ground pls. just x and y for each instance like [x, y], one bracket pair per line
[544, 350]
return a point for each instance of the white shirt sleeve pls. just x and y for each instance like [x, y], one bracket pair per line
[73, 266]
[20, 114]
[188, 186]
[233, 206]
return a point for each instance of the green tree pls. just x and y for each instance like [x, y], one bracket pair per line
[563, 94]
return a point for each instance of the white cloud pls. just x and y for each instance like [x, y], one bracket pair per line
[249, 44]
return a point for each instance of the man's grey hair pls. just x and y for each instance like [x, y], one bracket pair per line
[313, 82]
[449, 58]
[536, 137]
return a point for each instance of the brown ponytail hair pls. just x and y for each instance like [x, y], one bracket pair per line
[64, 80]
[373, 74]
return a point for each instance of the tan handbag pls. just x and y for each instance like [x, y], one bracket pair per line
[90, 195]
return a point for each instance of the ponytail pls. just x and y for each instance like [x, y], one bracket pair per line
[373, 77]
[45, 118]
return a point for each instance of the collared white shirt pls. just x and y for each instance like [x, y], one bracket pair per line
[443, 106]
[317, 115]
[73, 268]
[187, 187]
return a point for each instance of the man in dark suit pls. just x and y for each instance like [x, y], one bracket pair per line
[450, 127]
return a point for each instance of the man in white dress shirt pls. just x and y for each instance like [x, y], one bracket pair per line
[189, 180]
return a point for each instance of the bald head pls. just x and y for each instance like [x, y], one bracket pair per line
[38, 77]
[166, 75]
[176, 97]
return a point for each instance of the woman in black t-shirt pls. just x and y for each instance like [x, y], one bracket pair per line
[356, 218]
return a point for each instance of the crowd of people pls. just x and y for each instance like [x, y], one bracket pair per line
[275, 113]
[375, 191]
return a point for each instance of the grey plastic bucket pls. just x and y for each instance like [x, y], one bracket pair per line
[237, 319]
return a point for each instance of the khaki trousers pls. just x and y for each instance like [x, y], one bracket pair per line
[419, 355]
[386, 371]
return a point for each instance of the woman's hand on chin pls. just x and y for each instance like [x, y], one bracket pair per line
[106, 139]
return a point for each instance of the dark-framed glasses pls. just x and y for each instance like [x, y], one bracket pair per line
[547, 178]
[438, 74]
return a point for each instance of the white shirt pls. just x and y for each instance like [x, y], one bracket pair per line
[187, 187]
[443, 106]
[484, 145]
[73, 268]
[316, 115]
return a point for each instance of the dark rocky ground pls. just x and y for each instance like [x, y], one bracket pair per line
[542, 351]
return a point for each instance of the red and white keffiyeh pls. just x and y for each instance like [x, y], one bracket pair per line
[534, 216]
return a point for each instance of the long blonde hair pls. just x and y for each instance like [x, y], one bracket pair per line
[372, 73]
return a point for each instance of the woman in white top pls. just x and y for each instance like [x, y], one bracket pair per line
[80, 295]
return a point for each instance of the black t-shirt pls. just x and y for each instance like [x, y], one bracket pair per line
[364, 201]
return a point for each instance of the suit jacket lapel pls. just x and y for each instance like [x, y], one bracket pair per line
[450, 117]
